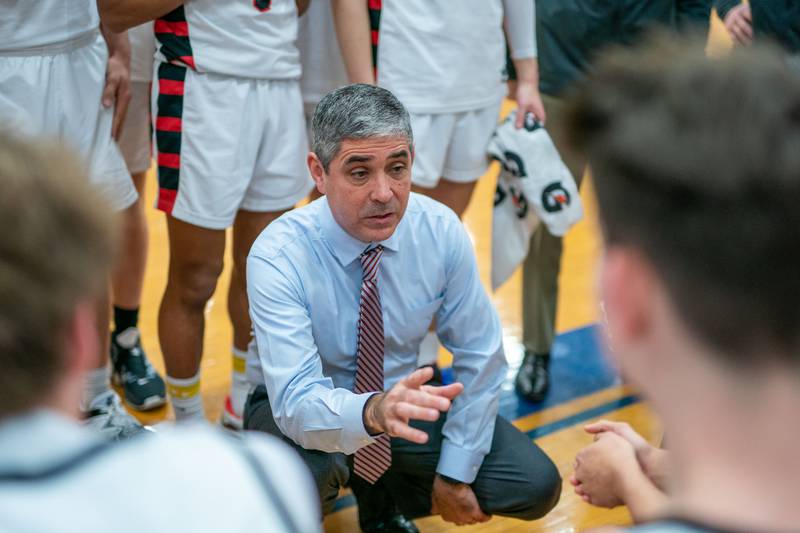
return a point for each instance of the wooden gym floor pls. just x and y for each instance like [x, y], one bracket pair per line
[583, 387]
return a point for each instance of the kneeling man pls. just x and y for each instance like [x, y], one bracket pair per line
[341, 293]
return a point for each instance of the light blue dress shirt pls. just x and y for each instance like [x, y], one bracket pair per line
[303, 282]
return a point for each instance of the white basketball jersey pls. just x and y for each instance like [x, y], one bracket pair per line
[40, 23]
[442, 56]
[323, 67]
[241, 38]
[143, 48]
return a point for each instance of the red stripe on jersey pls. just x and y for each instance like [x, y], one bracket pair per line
[170, 87]
[169, 160]
[374, 38]
[168, 124]
[181, 29]
[375, 4]
[188, 60]
[166, 199]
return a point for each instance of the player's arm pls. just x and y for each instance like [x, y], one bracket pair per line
[117, 90]
[120, 15]
[351, 18]
[302, 6]
[520, 26]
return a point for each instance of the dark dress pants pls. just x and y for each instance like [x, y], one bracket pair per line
[516, 478]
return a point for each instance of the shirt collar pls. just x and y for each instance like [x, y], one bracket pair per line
[344, 246]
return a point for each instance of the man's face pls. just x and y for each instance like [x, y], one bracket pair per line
[367, 185]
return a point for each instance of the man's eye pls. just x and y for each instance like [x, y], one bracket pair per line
[398, 168]
[359, 174]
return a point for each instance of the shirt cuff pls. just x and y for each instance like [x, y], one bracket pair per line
[459, 463]
[354, 432]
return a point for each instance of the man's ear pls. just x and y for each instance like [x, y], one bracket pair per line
[317, 171]
[628, 295]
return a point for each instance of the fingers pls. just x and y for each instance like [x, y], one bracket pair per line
[120, 112]
[538, 110]
[520, 119]
[423, 398]
[397, 428]
[408, 411]
[110, 91]
[419, 377]
[599, 426]
[447, 391]
[480, 516]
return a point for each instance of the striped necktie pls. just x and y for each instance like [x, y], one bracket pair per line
[371, 461]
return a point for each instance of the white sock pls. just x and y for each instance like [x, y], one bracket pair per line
[428, 349]
[240, 387]
[184, 393]
[96, 382]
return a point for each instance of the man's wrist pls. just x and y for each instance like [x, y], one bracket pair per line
[450, 481]
[370, 418]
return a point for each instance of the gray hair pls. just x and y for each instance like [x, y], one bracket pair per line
[357, 111]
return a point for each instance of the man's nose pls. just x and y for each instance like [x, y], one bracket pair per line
[381, 188]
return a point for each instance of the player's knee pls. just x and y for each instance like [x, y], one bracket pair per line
[196, 283]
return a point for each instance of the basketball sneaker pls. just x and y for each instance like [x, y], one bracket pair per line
[108, 418]
[229, 418]
[143, 387]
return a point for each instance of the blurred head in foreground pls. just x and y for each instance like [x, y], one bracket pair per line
[55, 251]
[696, 163]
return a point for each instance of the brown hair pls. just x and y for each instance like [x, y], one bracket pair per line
[55, 249]
[696, 162]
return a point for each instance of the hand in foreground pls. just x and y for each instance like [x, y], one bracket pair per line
[604, 469]
[456, 503]
[409, 399]
[654, 461]
[739, 23]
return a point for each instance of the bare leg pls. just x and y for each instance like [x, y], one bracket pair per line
[246, 228]
[128, 275]
[195, 263]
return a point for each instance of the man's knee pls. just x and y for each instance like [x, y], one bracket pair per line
[538, 493]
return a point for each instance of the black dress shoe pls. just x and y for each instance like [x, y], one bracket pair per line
[396, 523]
[377, 511]
[533, 378]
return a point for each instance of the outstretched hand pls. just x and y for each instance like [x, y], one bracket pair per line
[409, 399]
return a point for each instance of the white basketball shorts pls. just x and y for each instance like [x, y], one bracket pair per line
[225, 144]
[55, 92]
[452, 145]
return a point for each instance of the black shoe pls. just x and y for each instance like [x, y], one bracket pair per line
[142, 386]
[377, 511]
[393, 524]
[533, 378]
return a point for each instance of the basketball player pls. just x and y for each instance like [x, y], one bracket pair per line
[230, 146]
[143, 387]
[323, 66]
[445, 62]
[62, 75]
[695, 164]
[56, 237]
